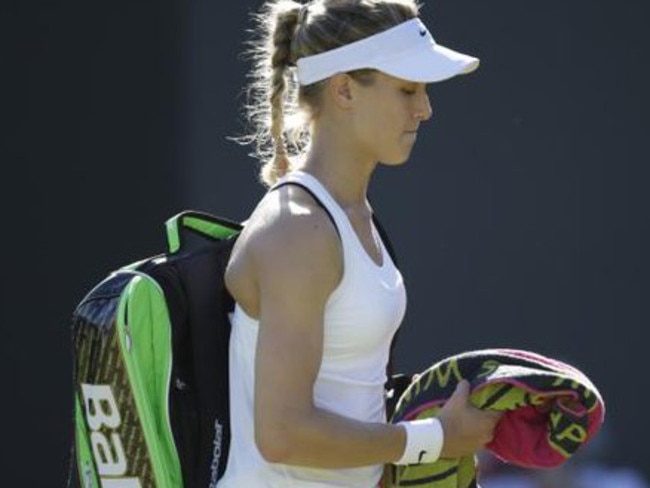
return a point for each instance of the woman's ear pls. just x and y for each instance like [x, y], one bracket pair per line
[341, 90]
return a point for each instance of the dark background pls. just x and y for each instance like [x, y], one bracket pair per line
[521, 218]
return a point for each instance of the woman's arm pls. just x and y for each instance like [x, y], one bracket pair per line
[298, 263]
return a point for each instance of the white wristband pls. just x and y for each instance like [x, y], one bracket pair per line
[424, 440]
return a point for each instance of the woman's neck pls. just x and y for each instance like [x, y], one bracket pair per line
[345, 173]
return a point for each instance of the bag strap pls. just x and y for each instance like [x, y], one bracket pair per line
[201, 224]
[314, 196]
[380, 228]
[386, 240]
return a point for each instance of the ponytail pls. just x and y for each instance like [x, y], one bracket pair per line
[285, 26]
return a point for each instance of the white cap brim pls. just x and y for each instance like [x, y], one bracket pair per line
[406, 51]
[430, 65]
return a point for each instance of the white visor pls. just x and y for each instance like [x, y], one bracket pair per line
[405, 51]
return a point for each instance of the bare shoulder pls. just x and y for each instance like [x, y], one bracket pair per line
[289, 242]
[289, 222]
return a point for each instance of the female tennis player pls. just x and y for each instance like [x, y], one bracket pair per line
[338, 87]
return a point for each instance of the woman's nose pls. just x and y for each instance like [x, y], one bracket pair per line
[423, 110]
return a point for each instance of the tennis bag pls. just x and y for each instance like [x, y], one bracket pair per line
[150, 346]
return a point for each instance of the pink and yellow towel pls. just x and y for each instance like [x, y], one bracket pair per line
[550, 409]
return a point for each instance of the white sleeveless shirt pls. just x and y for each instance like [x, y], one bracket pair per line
[361, 316]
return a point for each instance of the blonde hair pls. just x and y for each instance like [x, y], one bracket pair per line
[278, 109]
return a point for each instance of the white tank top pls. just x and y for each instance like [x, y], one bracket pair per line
[361, 316]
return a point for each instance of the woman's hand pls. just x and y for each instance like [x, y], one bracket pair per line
[467, 429]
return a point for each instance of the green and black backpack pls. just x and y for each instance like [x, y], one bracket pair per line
[150, 360]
